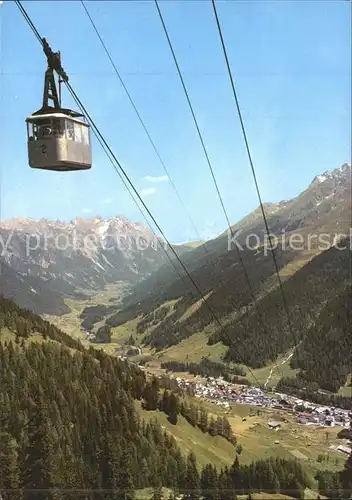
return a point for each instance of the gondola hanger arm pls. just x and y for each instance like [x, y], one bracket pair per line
[54, 60]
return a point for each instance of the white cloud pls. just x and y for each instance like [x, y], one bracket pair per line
[160, 178]
[86, 210]
[108, 200]
[148, 191]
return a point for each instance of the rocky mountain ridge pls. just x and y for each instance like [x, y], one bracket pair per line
[338, 174]
[321, 210]
[79, 255]
[64, 258]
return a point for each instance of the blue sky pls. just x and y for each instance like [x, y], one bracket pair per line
[291, 64]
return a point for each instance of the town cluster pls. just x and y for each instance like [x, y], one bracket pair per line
[223, 393]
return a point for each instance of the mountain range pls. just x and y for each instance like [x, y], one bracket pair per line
[45, 261]
[253, 321]
[318, 215]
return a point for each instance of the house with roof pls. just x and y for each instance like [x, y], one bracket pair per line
[274, 425]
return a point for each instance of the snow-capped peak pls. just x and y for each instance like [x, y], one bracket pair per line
[321, 178]
[337, 174]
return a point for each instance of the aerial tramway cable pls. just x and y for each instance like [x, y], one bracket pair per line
[117, 165]
[244, 133]
[161, 160]
[204, 246]
[142, 122]
[214, 178]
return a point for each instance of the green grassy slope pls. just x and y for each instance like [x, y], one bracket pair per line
[207, 449]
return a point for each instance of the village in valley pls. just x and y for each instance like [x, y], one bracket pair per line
[225, 395]
[222, 393]
[305, 429]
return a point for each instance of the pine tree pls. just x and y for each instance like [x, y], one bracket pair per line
[151, 395]
[124, 475]
[212, 428]
[226, 489]
[203, 420]
[209, 482]
[164, 404]
[193, 415]
[5, 413]
[192, 481]
[9, 467]
[39, 467]
[234, 475]
[173, 409]
[110, 463]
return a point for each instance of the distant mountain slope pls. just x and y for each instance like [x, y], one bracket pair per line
[326, 203]
[55, 259]
[45, 261]
[31, 292]
[319, 282]
[224, 285]
[322, 210]
[325, 355]
[324, 207]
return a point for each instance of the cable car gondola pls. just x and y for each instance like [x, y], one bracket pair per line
[58, 138]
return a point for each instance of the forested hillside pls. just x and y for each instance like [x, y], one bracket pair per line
[70, 430]
[23, 323]
[319, 210]
[325, 355]
[216, 281]
[320, 281]
[169, 309]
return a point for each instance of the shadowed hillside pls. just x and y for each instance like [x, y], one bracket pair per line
[325, 355]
